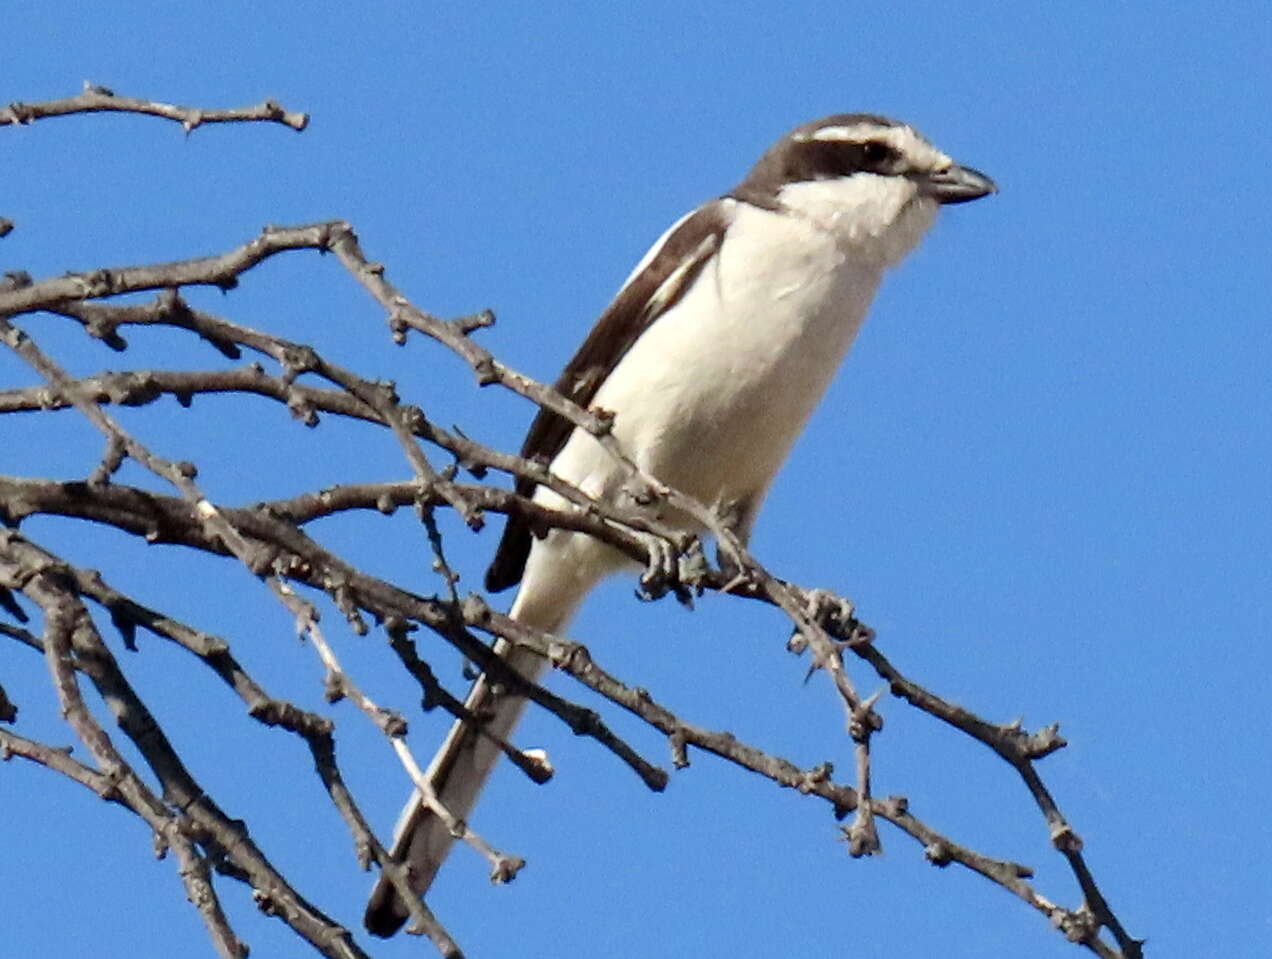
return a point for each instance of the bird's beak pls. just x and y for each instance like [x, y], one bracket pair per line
[956, 184]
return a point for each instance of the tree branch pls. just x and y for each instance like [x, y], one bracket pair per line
[98, 99]
[269, 541]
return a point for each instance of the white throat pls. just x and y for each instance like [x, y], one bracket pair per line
[876, 220]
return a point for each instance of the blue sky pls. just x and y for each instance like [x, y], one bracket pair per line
[1043, 474]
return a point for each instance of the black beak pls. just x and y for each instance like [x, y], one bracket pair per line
[956, 184]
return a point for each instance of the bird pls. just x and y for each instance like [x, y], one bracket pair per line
[711, 357]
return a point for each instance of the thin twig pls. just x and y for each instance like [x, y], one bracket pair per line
[98, 99]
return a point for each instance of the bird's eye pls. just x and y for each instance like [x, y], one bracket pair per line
[875, 154]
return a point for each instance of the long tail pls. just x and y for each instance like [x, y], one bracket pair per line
[468, 756]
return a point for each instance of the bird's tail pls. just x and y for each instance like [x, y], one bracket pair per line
[461, 767]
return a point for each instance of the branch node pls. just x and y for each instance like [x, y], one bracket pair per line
[1064, 839]
[938, 853]
[865, 721]
[476, 321]
[1044, 742]
[678, 740]
[506, 868]
[393, 723]
[333, 687]
[486, 372]
[265, 902]
[1076, 925]
[398, 327]
[862, 836]
[538, 765]
[815, 777]
[15, 280]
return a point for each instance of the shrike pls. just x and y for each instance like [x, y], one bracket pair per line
[711, 358]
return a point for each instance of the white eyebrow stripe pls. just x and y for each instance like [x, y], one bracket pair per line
[903, 139]
[855, 132]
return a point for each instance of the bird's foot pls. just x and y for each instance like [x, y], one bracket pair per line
[673, 569]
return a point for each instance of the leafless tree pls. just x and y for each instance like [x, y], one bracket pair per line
[57, 608]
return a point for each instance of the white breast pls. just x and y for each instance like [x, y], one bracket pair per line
[712, 396]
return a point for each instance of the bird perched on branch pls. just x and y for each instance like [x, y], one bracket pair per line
[711, 357]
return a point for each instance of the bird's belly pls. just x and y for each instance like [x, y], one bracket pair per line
[712, 396]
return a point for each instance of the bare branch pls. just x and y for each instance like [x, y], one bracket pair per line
[69, 639]
[574, 659]
[98, 99]
[169, 520]
[268, 539]
[71, 643]
[58, 759]
[219, 271]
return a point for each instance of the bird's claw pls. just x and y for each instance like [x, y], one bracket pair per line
[673, 569]
[661, 572]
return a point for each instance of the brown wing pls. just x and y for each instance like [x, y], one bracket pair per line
[666, 278]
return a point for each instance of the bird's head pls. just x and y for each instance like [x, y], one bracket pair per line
[874, 182]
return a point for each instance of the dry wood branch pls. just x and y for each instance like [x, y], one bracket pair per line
[386, 601]
[168, 520]
[127, 616]
[218, 527]
[98, 99]
[404, 315]
[340, 685]
[435, 694]
[219, 271]
[8, 711]
[938, 849]
[268, 540]
[364, 399]
[69, 642]
[72, 644]
[58, 759]
[369, 848]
